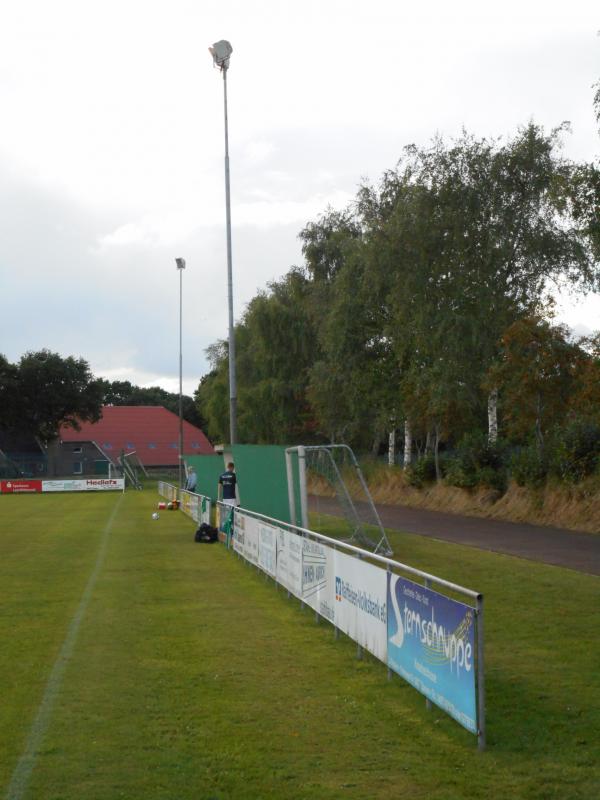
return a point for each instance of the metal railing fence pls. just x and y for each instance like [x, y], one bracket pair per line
[474, 599]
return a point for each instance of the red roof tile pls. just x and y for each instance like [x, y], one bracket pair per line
[152, 431]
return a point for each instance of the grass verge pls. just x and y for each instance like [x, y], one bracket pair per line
[192, 677]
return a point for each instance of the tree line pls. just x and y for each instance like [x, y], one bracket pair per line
[425, 309]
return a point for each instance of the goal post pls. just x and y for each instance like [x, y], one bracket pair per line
[336, 463]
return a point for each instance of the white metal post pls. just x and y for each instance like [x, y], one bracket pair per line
[290, 482]
[480, 676]
[303, 490]
[427, 700]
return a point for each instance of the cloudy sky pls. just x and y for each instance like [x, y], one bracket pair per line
[111, 146]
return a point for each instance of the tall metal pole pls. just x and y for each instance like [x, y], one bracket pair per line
[232, 381]
[180, 267]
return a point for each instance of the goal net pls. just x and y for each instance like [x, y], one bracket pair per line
[132, 468]
[337, 487]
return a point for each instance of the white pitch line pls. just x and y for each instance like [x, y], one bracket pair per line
[21, 775]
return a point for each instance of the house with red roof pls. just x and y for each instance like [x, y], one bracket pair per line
[151, 432]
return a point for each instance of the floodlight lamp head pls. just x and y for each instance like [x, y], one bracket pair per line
[221, 51]
[180, 263]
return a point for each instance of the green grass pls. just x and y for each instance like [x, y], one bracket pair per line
[192, 677]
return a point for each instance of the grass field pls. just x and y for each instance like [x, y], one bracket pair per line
[136, 664]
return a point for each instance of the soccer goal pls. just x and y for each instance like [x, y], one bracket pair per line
[132, 468]
[334, 470]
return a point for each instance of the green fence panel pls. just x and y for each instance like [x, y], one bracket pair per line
[261, 473]
[262, 479]
[208, 468]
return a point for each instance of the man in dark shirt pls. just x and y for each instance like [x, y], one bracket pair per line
[227, 486]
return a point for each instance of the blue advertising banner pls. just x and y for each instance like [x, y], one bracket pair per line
[431, 644]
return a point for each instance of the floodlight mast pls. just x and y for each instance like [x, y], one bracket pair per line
[221, 52]
[180, 262]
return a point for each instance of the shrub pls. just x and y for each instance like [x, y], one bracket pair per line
[478, 463]
[458, 475]
[422, 471]
[528, 467]
[576, 451]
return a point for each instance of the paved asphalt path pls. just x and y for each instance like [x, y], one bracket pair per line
[563, 548]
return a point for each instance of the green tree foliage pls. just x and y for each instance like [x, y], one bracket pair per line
[275, 345]
[10, 407]
[51, 391]
[406, 296]
[537, 375]
[212, 395]
[468, 235]
[584, 403]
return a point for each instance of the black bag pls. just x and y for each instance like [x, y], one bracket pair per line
[206, 534]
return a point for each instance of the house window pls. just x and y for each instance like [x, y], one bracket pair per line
[107, 445]
[130, 446]
[78, 449]
[152, 445]
[174, 445]
[195, 446]
[77, 467]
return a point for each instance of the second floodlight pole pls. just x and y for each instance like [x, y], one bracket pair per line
[232, 381]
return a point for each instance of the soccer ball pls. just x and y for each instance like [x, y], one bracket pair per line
[155, 515]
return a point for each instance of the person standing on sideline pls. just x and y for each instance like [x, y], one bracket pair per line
[190, 485]
[227, 486]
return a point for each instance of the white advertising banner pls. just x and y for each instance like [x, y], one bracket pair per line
[317, 577]
[167, 490]
[252, 526]
[289, 561]
[267, 548]
[85, 485]
[188, 504]
[196, 506]
[239, 532]
[248, 528]
[361, 603]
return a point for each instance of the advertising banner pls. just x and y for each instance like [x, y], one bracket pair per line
[167, 491]
[267, 548]
[251, 550]
[317, 577]
[361, 603]
[246, 535]
[84, 485]
[289, 561]
[239, 532]
[188, 504]
[20, 486]
[431, 644]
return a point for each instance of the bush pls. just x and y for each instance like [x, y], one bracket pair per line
[478, 463]
[529, 468]
[422, 471]
[458, 475]
[576, 451]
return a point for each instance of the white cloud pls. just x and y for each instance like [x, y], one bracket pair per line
[257, 152]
